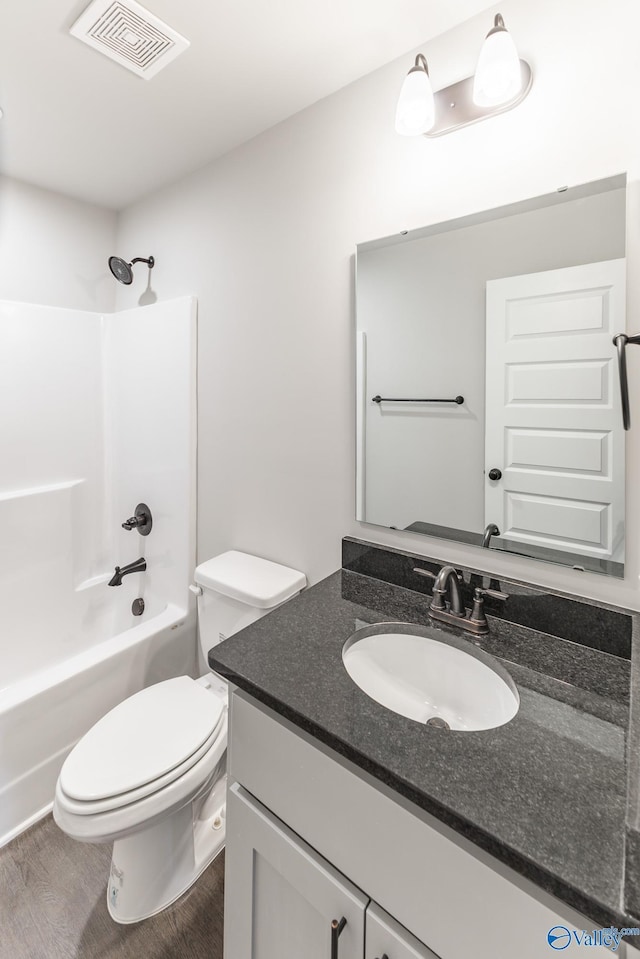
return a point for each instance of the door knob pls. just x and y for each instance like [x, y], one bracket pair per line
[495, 474]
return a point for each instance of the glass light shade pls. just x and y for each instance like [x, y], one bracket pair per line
[415, 113]
[498, 76]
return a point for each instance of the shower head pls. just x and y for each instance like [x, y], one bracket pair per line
[123, 271]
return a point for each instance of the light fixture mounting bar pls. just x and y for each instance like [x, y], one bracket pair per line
[455, 107]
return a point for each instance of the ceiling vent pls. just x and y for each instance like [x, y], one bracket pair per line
[130, 35]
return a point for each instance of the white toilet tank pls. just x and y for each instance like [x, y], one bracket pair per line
[237, 589]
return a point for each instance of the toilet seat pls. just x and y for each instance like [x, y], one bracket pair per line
[146, 741]
[92, 822]
[89, 807]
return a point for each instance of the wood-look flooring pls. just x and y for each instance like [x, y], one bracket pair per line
[53, 906]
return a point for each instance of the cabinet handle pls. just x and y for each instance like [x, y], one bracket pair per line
[336, 928]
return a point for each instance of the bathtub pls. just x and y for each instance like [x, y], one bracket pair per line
[43, 715]
[86, 435]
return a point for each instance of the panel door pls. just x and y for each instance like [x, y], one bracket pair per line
[387, 939]
[553, 419]
[281, 898]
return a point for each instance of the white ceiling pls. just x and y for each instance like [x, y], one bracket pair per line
[78, 123]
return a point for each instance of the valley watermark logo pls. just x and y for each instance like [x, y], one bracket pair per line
[560, 938]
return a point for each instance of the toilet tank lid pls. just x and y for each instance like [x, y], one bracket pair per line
[250, 579]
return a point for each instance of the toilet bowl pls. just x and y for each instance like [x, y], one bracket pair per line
[150, 776]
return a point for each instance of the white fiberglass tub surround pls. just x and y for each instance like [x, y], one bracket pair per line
[98, 414]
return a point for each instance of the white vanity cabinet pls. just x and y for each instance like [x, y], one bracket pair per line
[312, 839]
[282, 900]
[289, 903]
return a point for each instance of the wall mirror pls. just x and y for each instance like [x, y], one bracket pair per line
[488, 399]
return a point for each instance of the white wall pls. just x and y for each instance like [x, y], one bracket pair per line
[265, 238]
[54, 250]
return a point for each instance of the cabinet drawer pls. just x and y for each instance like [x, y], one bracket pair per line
[449, 894]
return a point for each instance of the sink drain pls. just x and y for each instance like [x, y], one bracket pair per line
[438, 722]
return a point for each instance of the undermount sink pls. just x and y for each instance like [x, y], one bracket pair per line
[436, 679]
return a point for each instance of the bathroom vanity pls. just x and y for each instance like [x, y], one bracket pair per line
[426, 841]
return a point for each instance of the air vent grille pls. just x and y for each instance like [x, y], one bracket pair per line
[130, 35]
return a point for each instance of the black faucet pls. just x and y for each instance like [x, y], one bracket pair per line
[489, 531]
[448, 577]
[138, 566]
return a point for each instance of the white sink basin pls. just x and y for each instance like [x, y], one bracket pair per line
[442, 681]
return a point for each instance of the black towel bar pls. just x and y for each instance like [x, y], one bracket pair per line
[395, 399]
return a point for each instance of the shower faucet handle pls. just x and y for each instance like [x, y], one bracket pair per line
[142, 520]
[132, 523]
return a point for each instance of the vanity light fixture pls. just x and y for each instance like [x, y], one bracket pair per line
[501, 81]
[415, 112]
[498, 77]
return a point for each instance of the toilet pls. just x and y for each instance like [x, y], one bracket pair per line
[150, 776]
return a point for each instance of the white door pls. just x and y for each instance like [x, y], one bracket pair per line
[281, 898]
[553, 419]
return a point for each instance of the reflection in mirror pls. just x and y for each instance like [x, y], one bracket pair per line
[488, 401]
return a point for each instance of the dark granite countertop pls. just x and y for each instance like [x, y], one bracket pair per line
[544, 794]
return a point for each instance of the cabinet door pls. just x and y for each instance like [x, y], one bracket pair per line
[387, 939]
[281, 898]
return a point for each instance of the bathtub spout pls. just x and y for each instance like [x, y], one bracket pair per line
[138, 566]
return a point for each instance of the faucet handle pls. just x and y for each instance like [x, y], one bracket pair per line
[429, 575]
[479, 592]
[141, 520]
[425, 572]
[477, 616]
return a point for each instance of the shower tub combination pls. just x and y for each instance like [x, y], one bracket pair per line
[91, 432]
